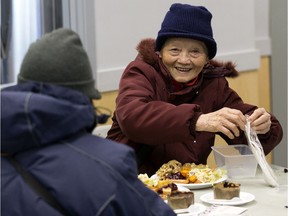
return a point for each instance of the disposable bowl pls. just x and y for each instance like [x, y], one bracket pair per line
[238, 160]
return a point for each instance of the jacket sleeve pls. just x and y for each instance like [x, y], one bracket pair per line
[147, 119]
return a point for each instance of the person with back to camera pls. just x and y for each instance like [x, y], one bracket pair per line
[173, 98]
[47, 120]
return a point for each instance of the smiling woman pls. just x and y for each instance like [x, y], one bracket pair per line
[174, 97]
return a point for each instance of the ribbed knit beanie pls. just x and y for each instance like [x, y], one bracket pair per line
[58, 58]
[183, 20]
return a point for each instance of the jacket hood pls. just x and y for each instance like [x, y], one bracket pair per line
[147, 53]
[37, 114]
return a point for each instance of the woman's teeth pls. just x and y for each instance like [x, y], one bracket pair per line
[183, 69]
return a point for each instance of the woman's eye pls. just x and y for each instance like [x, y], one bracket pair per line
[195, 51]
[175, 51]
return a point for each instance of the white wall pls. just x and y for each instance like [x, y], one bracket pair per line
[240, 29]
[262, 30]
[112, 29]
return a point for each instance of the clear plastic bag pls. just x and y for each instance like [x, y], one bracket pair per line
[258, 152]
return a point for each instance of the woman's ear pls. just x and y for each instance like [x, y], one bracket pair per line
[207, 63]
[159, 54]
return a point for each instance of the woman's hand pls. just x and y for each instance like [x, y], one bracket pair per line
[260, 121]
[226, 120]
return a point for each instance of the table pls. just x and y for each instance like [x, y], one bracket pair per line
[268, 201]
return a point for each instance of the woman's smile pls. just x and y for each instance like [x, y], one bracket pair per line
[183, 70]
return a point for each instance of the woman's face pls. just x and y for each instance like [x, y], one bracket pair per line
[184, 58]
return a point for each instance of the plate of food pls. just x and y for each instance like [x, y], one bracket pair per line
[202, 185]
[227, 193]
[242, 199]
[190, 175]
[179, 198]
[163, 188]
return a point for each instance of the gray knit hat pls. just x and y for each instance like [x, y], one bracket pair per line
[59, 58]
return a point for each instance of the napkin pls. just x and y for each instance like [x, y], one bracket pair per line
[258, 152]
[223, 211]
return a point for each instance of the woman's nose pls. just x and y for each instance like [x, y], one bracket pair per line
[184, 58]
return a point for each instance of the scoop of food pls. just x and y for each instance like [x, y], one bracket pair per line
[188, 173]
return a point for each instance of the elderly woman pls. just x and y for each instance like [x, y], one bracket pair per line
[173, 98]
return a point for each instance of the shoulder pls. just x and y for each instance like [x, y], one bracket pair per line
[100, 148]
[146, 51]
[216, 69]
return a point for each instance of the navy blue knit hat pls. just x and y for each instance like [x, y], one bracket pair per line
[183, 20]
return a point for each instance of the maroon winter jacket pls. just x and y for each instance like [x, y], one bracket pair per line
[160, 123]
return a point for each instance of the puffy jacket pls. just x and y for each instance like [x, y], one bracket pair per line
[159, 123]
[47, 129]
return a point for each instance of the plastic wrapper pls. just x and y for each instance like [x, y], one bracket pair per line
[258, 152]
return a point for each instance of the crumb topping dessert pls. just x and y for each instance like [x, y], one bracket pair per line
[226, 190]
[180, 200]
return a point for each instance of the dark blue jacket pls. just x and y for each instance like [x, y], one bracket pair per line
[48, 128]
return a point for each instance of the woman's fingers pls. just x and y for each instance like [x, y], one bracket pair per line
[226, 120]
[260, 121]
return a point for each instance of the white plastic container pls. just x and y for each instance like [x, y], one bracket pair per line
[237, 159]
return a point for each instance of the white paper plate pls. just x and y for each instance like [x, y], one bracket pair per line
[202, 185]
[244, 198]
[194, 209]
[181, 188]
